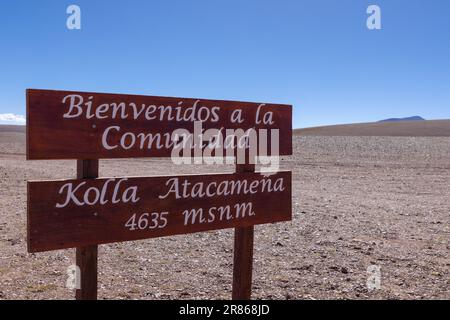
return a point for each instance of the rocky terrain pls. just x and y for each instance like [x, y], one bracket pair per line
[357, 202]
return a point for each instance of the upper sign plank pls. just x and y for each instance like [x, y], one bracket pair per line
[83, 125]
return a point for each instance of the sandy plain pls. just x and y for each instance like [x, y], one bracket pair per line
[358, 201]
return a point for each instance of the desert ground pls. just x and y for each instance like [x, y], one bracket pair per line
[358, 201]
[430, 128]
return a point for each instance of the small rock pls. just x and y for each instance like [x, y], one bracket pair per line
[334, 268]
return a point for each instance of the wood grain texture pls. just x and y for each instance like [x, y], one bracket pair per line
[52, 136]
[51, 228]
[243, 254]
[86, 257]
[243, 263]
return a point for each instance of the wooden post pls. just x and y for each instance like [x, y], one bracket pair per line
[243, 253]
[86, 257]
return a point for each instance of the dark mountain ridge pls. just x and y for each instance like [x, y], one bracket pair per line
[414, 118]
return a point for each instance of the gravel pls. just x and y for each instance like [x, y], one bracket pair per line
[357, 202]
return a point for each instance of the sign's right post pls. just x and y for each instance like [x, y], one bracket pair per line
[243, 253]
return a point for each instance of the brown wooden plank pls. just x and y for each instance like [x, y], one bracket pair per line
[83, 223]
[243, 263]
[55, 131]
[243, 253]
[86, 257]
[87, 169]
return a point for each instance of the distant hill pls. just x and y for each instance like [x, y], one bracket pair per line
[415, 118]
[12, 128]
[425, 128]
[12, 139]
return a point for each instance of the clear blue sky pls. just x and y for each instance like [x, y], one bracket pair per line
[317, 55]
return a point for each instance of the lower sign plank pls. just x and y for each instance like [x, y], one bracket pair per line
[75, 213]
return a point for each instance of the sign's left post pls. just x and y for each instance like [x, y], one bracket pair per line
[86, 257]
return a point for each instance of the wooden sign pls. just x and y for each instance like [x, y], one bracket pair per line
[84, 125]
[83, 212]
[88, 211]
